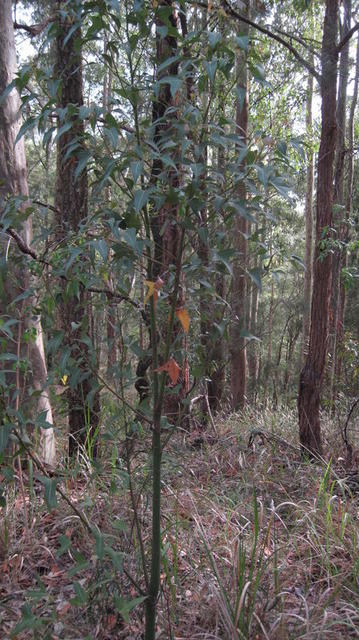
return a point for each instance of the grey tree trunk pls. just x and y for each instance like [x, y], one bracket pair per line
[348, 213]
[239, 281]
[13, 182]
[308, 214]
[339, 200]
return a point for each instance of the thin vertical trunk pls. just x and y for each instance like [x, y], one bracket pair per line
[268, 369]
[168, 246]
[294, 334]
[216, 351]
[71, 200]
[308, 214]
[13, 182]
[339, 199]
[239, 283]
[164, 222]
[253, 347]
[203, 254]
[111, 315]
[348, 214]
[311, 378]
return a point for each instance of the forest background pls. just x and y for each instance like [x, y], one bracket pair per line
[179, 302]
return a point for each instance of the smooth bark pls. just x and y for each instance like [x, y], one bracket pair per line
[339, 201]
[13, 182]
[308, 215]
[348, 214]
[239, 282]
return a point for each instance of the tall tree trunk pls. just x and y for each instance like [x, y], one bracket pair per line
[110, 312]
[268, 368]
[339, 199]
[239, 283]
[71, 200]
[164, 223]
[216, 352]
[308, 214]
[348, 214]
[167, 251]
[13, 182]
[203, 254]
[311, 377]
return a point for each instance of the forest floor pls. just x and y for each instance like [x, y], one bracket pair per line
[256, 543]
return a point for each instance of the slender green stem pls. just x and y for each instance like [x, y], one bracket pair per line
[158, 394]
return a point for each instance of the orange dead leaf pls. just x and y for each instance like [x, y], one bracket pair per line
[111, 621]
[183, 317]
[153, 288]
[171, 367]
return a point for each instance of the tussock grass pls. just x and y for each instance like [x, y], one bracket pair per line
[256, 543]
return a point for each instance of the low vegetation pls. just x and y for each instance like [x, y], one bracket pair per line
[255, 543]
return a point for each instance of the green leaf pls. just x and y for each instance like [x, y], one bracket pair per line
[101, 247]
[81, 596]
[174, 82]
[214, 37]
[112, 136]
[7, 91]
[50, 491]
[281, 186]
[100, 544]
[211, 68]
[140, 199]
[29, 124]
[136, 169]
[242, 42]
[116, 558]
[60, 132]
[168, 62]
[246, 334]
[83, 159]
[4, 435]
[41, 421]
[28, 621]
[224, 257]
[65, 544]
[124, 607]
[255, 276]
[9, 356]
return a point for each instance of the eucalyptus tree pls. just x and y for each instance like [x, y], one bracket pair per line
[339, 216]
[239, 298]
[23, 385]
[312, 375]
